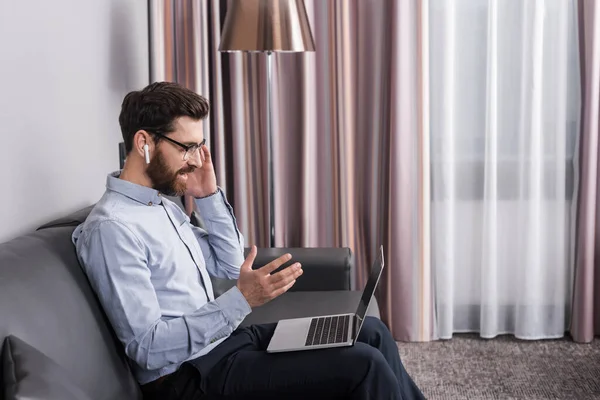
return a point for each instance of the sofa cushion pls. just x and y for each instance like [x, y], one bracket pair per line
[30, 374]
[46, 300]
[73, 219]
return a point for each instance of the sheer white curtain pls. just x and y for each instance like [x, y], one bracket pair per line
[505, 105]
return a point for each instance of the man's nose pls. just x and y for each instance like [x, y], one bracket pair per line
[195, 159]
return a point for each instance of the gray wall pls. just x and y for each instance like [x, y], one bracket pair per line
[65, 66]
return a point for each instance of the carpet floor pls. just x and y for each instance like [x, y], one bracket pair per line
[468, 367]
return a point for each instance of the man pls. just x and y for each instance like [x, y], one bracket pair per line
[150, 269]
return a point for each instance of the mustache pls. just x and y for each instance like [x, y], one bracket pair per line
[187, 170]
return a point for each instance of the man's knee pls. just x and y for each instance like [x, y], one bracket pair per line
[374, 330]
[363, 353]
[375, 324]
[376, 368]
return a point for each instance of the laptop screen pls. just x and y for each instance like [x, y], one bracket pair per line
[371, 285]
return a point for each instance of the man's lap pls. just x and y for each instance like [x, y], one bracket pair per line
[241, 365]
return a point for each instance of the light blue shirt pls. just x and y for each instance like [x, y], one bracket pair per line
[150, 267]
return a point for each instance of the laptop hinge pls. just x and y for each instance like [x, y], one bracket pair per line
[355, 324]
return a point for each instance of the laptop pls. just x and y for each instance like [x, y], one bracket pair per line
[326, 331]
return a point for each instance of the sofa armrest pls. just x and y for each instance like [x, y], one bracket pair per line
[325, 268]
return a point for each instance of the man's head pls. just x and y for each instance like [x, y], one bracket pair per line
[168, 119]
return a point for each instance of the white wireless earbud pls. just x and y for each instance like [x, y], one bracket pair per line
[146, 153]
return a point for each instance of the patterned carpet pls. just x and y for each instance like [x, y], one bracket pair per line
[468, 367]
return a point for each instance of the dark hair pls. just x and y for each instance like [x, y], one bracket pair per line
[156, 107]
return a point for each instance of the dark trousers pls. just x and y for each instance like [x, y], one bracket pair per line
[240, 368]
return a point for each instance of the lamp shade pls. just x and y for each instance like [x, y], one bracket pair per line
[266, 26]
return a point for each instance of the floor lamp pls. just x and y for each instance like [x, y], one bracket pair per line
[267, 26]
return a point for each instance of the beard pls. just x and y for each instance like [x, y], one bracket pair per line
[166, 180]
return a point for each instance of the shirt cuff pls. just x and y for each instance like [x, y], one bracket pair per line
[234, 306]
[213, 205]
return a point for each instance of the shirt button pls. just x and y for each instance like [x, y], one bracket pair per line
[150, 203]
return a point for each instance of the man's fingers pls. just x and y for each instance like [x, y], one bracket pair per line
[284, 280]
[249, 261]
[283, 289]
[294, 271]
[278, 262]
[206, 153]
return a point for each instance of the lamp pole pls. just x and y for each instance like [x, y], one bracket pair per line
[270, 150]
[256, 26]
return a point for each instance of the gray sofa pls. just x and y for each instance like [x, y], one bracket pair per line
[47, 303]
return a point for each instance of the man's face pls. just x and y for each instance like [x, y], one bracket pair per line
[167, 169]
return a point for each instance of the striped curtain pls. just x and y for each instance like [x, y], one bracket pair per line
[586, 292]
[351, 136]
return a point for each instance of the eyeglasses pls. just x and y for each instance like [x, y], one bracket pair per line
[189, 150]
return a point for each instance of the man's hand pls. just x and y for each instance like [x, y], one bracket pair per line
[259, 286]
[203, 181]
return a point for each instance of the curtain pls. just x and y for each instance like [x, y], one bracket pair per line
[350, 139]
[505, 110]
[446, 131]
[586, 300]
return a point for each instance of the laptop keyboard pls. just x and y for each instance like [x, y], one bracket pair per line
[326, 330]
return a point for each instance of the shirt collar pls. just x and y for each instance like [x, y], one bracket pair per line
[139, 193]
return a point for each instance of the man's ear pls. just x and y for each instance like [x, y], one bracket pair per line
[140, 139]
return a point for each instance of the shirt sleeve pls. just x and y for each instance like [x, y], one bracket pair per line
[116, 264]
[221, 241]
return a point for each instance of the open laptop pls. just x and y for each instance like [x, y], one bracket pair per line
[330, 330]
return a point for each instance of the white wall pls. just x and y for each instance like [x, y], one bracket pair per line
[65, 66]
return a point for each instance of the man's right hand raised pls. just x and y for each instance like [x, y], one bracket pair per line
[260, 286]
